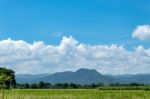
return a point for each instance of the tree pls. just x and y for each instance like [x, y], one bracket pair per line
[26, 86]
[41, 84]
[34, 86]
[7, 78]
[72, 85]
[47, 85]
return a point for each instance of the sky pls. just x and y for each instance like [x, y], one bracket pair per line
[110, 36]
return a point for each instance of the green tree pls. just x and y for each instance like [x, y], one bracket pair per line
[7, 78]
[41, 84]
[34, 86]
[26, 86]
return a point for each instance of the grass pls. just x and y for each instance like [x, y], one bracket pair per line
[75, 94]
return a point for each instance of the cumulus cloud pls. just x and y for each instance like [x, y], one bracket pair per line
[70, 54]
[142, 32]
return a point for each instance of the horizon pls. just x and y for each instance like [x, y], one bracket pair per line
[38, 37]
[84, 69]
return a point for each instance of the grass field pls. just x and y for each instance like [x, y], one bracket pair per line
[74, 94]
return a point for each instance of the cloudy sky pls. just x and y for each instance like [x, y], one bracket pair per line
[47, 36]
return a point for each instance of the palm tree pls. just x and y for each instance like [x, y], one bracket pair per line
[6, 79]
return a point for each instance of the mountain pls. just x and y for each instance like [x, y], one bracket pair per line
[26, 78]
[136, 78]
[81, 76]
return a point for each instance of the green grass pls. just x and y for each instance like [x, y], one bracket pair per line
[75, 94]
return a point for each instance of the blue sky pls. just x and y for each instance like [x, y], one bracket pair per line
[111, 36]
[89, 21]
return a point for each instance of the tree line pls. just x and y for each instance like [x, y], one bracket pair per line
[101, 86]
[43, 85]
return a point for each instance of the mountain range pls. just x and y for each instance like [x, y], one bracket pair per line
[83, 76]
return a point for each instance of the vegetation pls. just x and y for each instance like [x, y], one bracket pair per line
[68, 90]
[7, 78]
[100, 86]
[75, 94]
[42, 85]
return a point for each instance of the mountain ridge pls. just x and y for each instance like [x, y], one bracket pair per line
[83, 76]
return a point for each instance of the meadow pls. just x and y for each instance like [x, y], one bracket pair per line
[74, 94]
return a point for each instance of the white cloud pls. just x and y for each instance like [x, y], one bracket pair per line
[142, 32]
[72, 55]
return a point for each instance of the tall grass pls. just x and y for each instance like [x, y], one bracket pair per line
[74, 94]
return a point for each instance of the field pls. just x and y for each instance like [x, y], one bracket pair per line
[74, 94]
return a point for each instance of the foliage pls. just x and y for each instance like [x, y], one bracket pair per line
[7, 78]
[43, 85]
[100, 86]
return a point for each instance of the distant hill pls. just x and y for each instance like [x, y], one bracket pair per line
[136, 78]
[28, 78]
[83, 76]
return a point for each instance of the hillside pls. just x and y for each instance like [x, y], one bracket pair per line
[83, 76]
